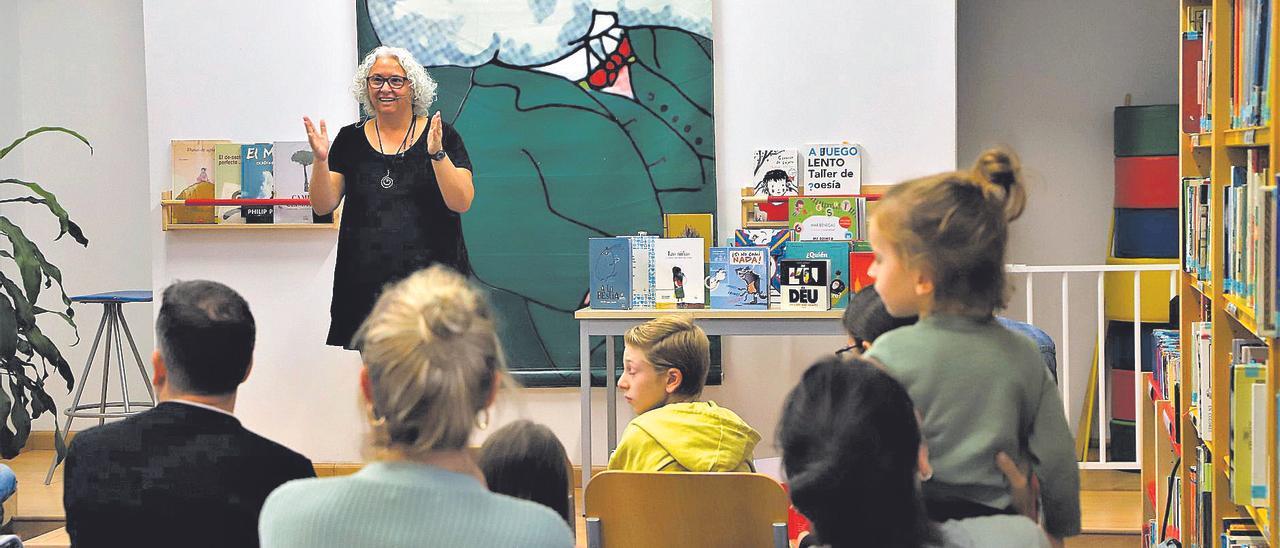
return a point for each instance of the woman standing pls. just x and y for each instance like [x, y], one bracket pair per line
[406, 178]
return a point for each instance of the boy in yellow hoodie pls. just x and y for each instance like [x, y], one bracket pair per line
[665, 365]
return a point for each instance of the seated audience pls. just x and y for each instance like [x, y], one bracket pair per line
[526, 460]
[432, 368]
[854, 460]
[185, 473]
[665, 364]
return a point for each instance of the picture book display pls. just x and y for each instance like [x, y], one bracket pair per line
[610, 273]
[678, 273]
[690, 225]
[775, 239]
[738, 278]
[832, 169]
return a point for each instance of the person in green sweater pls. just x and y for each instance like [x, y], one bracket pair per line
[432, 367]
[939, 246]
[665, 365]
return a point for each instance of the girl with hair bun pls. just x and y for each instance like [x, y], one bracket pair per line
[432, 367]
[939, 245]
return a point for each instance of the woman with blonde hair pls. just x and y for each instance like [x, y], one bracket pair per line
[432, 367]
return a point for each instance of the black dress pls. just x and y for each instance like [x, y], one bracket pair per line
[389, 232]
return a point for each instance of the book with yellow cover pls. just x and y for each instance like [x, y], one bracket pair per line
[691, 225]
[192, 164]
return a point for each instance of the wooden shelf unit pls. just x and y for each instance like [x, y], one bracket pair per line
[1211, 154]
[167, 202]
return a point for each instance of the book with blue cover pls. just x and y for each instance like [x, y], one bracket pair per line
[838, 255]
[257, 181]
[775, 239]
[609, 264]
[642, 270]
[738, 278]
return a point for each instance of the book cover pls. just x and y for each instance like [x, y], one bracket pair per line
[1260, 452]
[192, 163]
[678, 273]
[1243, 377]
[805, 284]
[824, 219]
[642, 270]
[691, 225]
[738, 278]
[832, 169]
[609, 265]
[859, 268]
[291, 173]
[257, 181]
[776, 172]
[838, 255]
[775, 239]
[226, 176]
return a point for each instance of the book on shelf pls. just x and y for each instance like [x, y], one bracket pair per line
[192, 165]
[1244, 374]
[1199, 29]
[678, 273]
[1201, 378]
[805, 284]
[226, 177]
[1249, 234]
[776, 172]
[642, 270]
[691, 225]
[291, 171]
[1195, 227]
[1251, 44]
[776, 240]
[1258, 446]
[738, 278]
[832, 169]
[609, 273]
[817, 219]
[838, 255]
[257, 181]
[1192, 51]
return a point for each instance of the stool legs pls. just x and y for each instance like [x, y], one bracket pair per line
[113, 323]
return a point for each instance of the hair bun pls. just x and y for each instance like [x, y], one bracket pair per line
[1001, 168]
[447, 316]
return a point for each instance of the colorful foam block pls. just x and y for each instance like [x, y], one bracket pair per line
[1147, 182]
[1146, 130]
[1120, 385]
[1145, 234]
[1155, 291]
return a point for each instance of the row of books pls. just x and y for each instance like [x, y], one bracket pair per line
[207, 169]
[1251, 73]
[764, 268]
[830, 169]
[814, 218]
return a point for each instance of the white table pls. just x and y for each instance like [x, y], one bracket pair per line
[611, 323]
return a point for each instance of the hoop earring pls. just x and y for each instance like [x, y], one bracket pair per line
[375, 420]
[482, 422]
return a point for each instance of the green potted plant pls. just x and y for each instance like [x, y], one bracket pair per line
[28, 358]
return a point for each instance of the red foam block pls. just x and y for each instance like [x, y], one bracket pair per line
[1147, 182]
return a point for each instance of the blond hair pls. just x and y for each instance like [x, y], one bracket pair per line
[675, 342]
[433, 355]
[954, 226]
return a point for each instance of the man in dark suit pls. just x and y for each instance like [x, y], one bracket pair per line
[185, 473]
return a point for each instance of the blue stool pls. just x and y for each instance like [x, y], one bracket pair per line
[112, 322]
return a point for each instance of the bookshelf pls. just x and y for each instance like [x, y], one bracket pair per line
[1217, 153]
[167, 202]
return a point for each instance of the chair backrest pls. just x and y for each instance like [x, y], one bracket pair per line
[642, 509]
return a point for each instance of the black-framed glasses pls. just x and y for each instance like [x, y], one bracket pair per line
[847, 349]
[396, 82]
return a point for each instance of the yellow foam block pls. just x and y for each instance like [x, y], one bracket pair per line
[1156, 291]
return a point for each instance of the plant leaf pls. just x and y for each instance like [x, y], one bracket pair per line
[66, 225]
[8, 330]
[65, 318]
[8, 449]
[5, 151]
[25, 312]
[19, 416]
[49, 351]
[32, 264]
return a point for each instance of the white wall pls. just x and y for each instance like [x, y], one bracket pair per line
[81, 67]
[1043, 78]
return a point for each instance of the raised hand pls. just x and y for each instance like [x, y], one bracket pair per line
[319, 139]
[435, 135]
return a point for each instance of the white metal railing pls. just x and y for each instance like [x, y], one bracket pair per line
[1065, 365]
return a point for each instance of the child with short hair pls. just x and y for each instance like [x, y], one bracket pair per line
[665, 365]
[939, 246]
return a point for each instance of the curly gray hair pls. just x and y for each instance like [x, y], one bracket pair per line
[423, 86]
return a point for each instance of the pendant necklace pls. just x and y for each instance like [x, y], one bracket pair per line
[387, 181]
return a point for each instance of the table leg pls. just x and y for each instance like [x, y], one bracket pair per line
[584, 362]
[611, 396]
